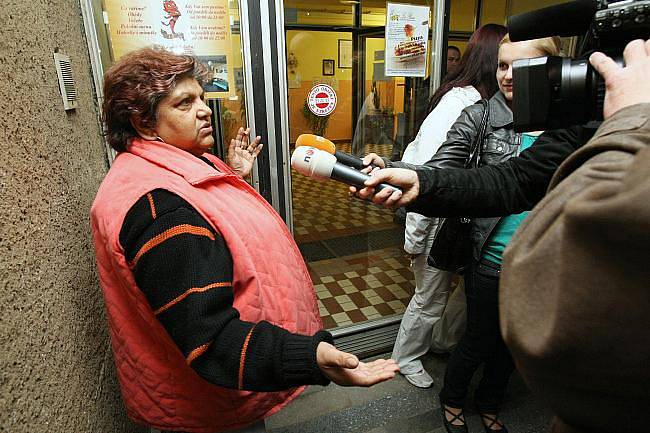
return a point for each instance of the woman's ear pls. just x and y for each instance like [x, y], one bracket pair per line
[143, 131]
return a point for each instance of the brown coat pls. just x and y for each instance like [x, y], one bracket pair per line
[575, 289]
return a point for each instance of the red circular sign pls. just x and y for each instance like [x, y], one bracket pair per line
[321, 100]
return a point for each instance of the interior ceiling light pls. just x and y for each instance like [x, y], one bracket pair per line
[349, 2]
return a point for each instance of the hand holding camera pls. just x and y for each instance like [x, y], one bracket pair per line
[627, 85]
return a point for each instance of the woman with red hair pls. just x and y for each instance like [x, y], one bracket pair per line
[212, 312]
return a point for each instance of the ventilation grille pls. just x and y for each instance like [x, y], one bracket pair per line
[369, 339]
[66, 82]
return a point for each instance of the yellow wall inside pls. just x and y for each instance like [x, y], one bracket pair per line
[521, 6]
[325, 12]
[310, 48]
[494, 11]
[461, 16]
[373, 17]
[373, 45]
[236, 51]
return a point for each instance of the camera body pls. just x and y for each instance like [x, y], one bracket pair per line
[556, 92]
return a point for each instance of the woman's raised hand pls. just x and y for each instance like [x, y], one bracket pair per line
[242, 152]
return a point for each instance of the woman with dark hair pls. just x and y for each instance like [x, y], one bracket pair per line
[482, 342]
[207, 295]
[421, 328]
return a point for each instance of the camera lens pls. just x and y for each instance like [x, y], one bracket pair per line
[555, 92]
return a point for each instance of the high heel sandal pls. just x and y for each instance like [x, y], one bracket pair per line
[492, 420]
[453, 428]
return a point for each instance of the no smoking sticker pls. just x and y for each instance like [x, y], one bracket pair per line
[321, 100]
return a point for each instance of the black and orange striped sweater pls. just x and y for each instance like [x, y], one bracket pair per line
[184, 269]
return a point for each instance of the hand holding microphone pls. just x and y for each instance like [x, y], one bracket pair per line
[321, 143]
[407, 181]
[322, 165]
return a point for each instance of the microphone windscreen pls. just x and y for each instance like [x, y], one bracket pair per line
[566, 19]
[313, 162]
[316, 141]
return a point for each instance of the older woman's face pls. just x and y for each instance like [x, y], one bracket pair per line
[508, 53]
[184, 119]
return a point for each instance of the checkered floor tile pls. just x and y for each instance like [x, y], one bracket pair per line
[362, 287]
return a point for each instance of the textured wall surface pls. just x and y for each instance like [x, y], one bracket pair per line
[56, 368]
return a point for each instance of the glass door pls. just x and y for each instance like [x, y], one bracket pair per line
[353, 249]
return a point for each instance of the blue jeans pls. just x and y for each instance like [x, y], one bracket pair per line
[482, 343]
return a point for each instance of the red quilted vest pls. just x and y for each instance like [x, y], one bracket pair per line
[270, 282]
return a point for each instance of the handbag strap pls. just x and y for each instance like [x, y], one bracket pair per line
[475, 148]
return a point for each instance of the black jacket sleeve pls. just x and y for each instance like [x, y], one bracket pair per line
[500, 189]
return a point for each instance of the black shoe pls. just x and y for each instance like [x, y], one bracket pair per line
[453, 428]
[492, 421]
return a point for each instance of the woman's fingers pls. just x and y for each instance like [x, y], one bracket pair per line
[244, 139]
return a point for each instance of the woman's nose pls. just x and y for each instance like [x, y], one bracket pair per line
[204, 110]
[509, 73]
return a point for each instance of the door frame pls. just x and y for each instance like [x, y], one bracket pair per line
[377, 336]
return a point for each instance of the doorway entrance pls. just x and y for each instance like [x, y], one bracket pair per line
[353, 249]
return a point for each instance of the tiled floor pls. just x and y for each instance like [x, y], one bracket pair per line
[353, 250]
[362, 287]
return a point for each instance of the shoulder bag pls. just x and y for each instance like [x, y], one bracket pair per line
[452, 247]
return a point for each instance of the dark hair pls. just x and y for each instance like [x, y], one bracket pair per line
[135, 85]
[453, 47]
[477, 67]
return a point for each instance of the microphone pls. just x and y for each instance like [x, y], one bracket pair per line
[321, 165]
[566, 19]
[318, 142]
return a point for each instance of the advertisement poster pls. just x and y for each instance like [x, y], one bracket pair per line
[407, 31]
[197, 27]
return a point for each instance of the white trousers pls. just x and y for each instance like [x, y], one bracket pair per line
[432, 320]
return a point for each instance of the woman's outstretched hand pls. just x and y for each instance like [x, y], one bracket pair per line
[242, 152]
[345, 369]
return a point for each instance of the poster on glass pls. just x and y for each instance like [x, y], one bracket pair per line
[197, 27]
[407, 32]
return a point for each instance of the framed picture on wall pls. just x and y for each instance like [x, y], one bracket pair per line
[345, 53]
[328, 67]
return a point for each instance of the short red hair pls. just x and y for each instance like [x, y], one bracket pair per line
[135, 85]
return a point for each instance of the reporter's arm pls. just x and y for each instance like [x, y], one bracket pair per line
[520, 183]
[501, 189]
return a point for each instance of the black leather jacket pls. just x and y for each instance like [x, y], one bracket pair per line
[500, 143]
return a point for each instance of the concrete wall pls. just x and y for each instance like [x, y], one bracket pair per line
[56, 367]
